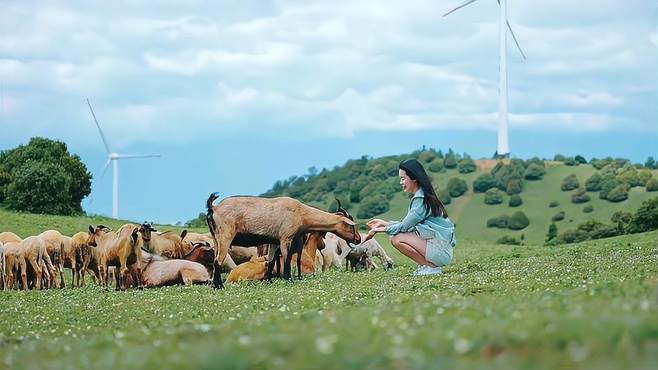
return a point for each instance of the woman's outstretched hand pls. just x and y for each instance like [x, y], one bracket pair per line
[375, 222]
[372, 233]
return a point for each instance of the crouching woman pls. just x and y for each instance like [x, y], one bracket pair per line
[426, 234]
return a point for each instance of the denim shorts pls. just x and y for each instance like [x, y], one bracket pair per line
[438, 251]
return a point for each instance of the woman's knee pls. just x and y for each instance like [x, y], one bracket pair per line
[395, 240]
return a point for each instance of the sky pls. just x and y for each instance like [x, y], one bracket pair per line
[236, 95]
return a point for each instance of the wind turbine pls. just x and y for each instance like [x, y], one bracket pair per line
[503, 26]
[114, 158]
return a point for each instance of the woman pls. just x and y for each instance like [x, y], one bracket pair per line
[426, 234]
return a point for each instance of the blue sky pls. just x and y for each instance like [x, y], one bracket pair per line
[238, 94]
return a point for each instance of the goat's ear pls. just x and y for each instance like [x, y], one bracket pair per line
[91, 229]
[134, 236]
[183, 234]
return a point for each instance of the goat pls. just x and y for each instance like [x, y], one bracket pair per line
[35, 252]
[167, 244]
[14, 264]
[334, 252]
[3, 269]
[252, 221]
[8, 236]
[55, 248]
[194, 240]
[160, 271]
[254, 269]
[121, 249]
[368, 249]
[79, 256]
[312, 243]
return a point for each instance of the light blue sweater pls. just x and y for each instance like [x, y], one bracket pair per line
[418, 218]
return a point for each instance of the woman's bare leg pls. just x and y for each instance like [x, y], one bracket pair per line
[412, 246]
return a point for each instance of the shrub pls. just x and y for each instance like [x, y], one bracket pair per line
[573, 236]
[571, 162]
[508, 240]
[569, 183]
[608, 182]
[580, 196]
[518, 221]
[444, 196]
[457, 187]
[588, 208]
[553, 204]
[436, 165]
[373, 205]
[593, 183]
[646, 217]
[652, 184]
[558, 216]
[559, 158]
[600, 163]
[514, 186]
[534, 172]
[466, 165]
[552, 232]
[618, 194]
[580, 159]
[450, 161]
[484, 183]
[426, 156]
[493, 196]
[650, 163]
[499, 222]
[515, 200]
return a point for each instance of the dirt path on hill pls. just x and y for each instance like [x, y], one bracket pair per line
[460, 204]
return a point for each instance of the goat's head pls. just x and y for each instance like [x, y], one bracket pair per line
[146, 229]
[316, 238]
[342, 211]
[347, 230]
[94, 233]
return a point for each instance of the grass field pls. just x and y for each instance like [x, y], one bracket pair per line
[588, 305]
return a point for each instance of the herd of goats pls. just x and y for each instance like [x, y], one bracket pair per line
[249, 238]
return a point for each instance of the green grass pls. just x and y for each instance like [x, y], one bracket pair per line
[588, 305]
[27, 224]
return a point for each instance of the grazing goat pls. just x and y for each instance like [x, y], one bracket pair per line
[8, 236]
[14, 264]
[167, 244]
[120, 249]
[368, 249]
[335, 251]
[192, 239]
[34, 251]
[252, 221]
[254, 269]
[160, 271]
[3, 269]
[55, 248]
[79, 256]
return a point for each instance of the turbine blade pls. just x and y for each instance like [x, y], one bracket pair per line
[121, 156]
[513, 36]
[515, 40]
[107, 165]
[107, 147]
[459, 7]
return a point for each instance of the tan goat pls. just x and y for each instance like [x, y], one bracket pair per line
[14, 264]
[167, 244]
[55, 248]
[191, 239]
[254, 269]
[8, 236]
[252, 221]
[160, 271]
[79, 256]
[35, 253]
[120, 249]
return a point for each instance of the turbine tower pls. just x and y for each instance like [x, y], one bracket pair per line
[114, 158]
[503, 25]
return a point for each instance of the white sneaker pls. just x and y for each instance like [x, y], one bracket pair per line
[430, 271]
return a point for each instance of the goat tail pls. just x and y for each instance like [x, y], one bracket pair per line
[209, 216]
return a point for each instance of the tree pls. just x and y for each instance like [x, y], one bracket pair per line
[372, 205]
[646, 217]
[444, 196]
[608, 182]
[593, 183]
[650, 163]
[559, 158]
[493, 196]
[466, 165]
[558, 216]
[552, 232]
[514, 186]
[570, 182]
[553, 204]
[534, 172]
[457, 187]
[580, 159]
[580, 196]
[571, 162]
[652, 184]
[518, 221]
[622, 220]
[450, 161]
[618, 194]
[436, 165]
[588, 208]
[484, 183]
[60, 180]
[515, 200]
[508, 240]
[426, 156]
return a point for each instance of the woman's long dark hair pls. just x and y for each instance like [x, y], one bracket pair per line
[415, 171]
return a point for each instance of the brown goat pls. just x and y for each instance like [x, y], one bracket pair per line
[8, 236]
[80, 256]
[252, 221]
[35, 253]
[167, 244]
[192, 239]
[55, 248]
[312, 243]
[254, 269]
[121, 249]
[14, 264]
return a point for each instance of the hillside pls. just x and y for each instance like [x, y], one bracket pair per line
[469, 211]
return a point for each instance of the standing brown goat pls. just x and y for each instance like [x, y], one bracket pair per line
[119, 249]
[167, 244]
[55, 248]
[252, 221]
